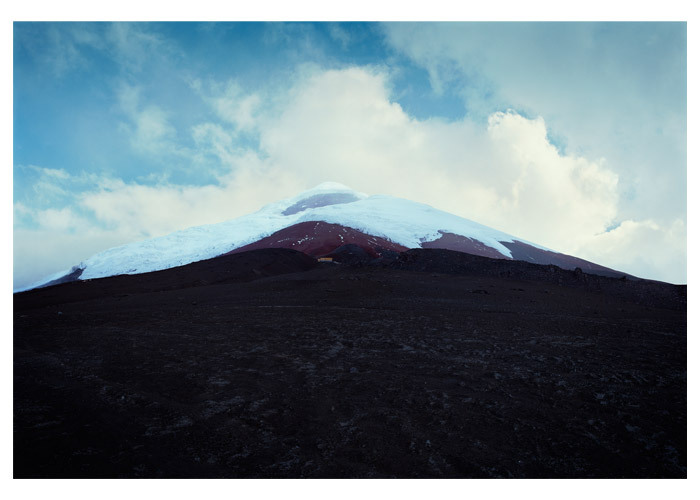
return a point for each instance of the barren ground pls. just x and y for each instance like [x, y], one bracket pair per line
[346, 372]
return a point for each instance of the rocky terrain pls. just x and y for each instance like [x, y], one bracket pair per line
[426, 363]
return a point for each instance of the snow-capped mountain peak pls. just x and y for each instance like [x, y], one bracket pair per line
[398, 223]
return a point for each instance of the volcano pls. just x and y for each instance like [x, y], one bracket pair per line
[431, 347]
[321, 222]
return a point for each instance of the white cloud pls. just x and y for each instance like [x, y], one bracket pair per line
[556, 200]
[149, 130]
[38, 253]
[61, 219]
[20, 213]
[55, 173]
[213, 139]
[609, 90]
[235, 106]
[148, 211]
[644, 248]
[133, 46]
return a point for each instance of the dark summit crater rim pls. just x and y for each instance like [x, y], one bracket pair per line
[320, 200]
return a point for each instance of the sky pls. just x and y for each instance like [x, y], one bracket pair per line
[571, 135]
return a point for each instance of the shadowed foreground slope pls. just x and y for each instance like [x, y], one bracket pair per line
[287, 368]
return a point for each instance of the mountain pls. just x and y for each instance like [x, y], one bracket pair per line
[406, 362]
[326, 219]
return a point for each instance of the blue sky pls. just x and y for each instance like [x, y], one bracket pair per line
[571, 135]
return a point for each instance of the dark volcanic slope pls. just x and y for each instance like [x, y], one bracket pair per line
[350, 372]
[459, 243]
[519, 251]
[646, 292]
[224, 269]
[528, 253]
[319, 238]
